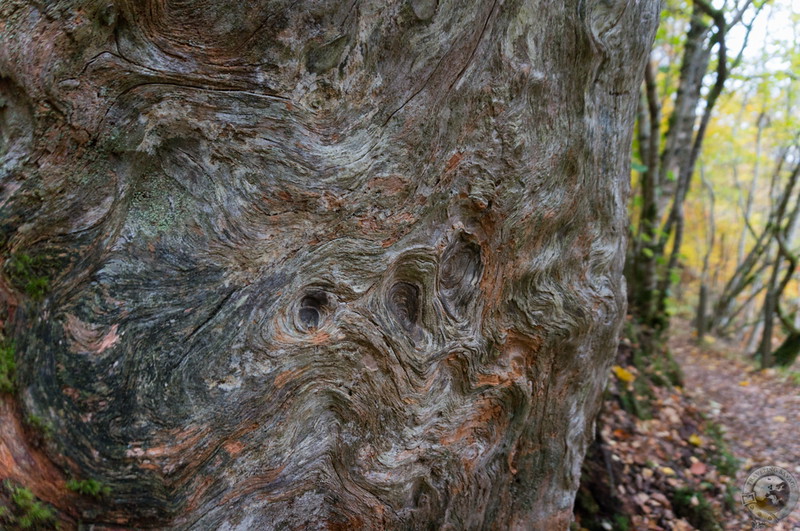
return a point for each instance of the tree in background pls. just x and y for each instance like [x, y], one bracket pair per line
[669, 143]
[754, 138]
[314, 264]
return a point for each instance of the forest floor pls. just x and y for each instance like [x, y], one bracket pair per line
[674, 456]
[759, 410]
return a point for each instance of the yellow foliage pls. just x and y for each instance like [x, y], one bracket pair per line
[695, 440]
[623, 374]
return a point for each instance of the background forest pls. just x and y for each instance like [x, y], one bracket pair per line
[706, 384]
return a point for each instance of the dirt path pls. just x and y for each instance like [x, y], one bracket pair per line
[759, 410]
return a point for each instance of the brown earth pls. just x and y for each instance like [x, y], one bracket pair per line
[759, 409]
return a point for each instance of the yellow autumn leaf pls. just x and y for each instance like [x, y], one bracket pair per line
[695, 440]
[744, 383]
[623, 374]
[779, 418]
[667, 471]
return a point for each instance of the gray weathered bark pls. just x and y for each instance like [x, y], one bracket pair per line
[317, 264]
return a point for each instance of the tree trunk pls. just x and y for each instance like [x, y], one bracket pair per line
[701, 321]
[316, 264]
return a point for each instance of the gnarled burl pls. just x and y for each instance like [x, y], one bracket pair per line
[315, 264]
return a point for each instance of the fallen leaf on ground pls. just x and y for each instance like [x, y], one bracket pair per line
[621, 434]
[698, 468]
[623, 374]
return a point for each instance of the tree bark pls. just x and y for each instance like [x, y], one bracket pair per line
[316, 264]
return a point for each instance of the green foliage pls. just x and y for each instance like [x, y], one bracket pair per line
[674, 276]
[29, 274]
[670, 306]
[692, 505]
[26, 512]
[622, 522]
[664, 371]
[786, 354]
[723, 459]
[655, 367]
[730, 497]
[89, 487]
[8, 367]
[37, 287]
[43, 428]
[793, 377]
[638, 399]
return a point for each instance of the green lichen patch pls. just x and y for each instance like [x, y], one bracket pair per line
[29, 274]
[325, 57]
[8, 367]
[41, 428]
[89, 487]
[22, 510]
[157, 204]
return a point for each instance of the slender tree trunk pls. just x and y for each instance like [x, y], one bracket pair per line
[774, 288]
[770, 304]
[702, 304]
[651, 277]
[317, 264]
[748, 206]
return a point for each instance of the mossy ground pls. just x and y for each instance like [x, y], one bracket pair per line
[656, 459]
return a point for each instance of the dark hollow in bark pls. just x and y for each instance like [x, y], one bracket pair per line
[317, 264]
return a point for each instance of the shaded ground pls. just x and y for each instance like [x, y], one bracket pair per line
[672, 454]
[760, 411]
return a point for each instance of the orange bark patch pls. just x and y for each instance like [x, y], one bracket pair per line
[389, 241]
[454, 161]
[489, 379]
[287, 376]
[511, 455]
[233, 447]
[388, 185]
[180, 446]
[404, 217]
[199, 493]
[86, 338]
[368, 224]
[486, 411]
[257, 483]
[521, 351]
[320, 338]
[28, 466]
